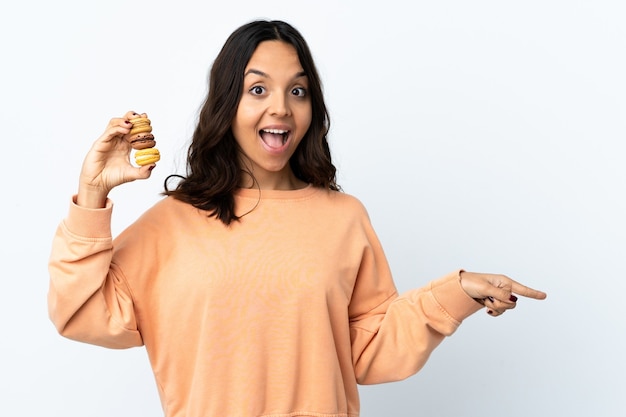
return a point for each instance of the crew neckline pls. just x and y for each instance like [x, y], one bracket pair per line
[255, 193]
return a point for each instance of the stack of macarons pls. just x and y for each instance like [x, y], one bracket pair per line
[142, 140]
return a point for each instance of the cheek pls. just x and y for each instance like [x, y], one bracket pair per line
[248, 112]
[304, 120]
[243, 123]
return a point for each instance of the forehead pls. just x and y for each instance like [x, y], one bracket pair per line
[275, 55]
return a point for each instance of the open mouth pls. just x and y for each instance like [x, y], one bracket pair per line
[274, 138]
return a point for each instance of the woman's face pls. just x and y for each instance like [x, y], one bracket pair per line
[273, 115]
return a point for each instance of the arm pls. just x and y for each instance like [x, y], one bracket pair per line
[394, 340]
[393, 336]
[88, 299]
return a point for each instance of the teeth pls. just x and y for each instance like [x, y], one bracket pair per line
[275, 131]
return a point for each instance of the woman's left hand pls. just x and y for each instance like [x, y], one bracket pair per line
[496, 292]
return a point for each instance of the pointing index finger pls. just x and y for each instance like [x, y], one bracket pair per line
[525, 291]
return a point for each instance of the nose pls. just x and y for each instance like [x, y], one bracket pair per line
[279, 105]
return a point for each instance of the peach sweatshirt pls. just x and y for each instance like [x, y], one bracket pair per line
[278, 315]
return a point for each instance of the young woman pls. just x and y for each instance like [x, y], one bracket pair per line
[257, 287]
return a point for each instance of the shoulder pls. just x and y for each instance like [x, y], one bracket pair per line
[344, 199]
[166, 216]
[347, 205]
[171, 208]
[166, 206]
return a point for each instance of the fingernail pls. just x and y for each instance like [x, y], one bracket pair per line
[490, 299]
[490, 312]
[512, 298]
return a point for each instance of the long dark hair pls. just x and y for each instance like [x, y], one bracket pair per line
[213, 169]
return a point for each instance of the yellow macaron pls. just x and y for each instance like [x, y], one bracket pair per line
[140, 125]
[147, 156]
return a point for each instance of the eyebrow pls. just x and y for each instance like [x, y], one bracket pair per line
[264, 75]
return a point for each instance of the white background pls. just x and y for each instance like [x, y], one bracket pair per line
[481, 134]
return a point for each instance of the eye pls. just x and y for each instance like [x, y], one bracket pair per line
[299, 91]
[257, 90]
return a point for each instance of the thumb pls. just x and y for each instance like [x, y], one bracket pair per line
[144, 172]
[500, 287]
[132, 173]
[502, 294]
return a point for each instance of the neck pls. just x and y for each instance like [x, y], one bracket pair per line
[275, 181]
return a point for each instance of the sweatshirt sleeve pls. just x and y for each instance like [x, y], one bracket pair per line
[88, 299]
[393, 335]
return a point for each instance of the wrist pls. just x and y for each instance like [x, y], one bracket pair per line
[89, 197]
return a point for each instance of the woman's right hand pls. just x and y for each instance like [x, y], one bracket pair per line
[107, 164]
